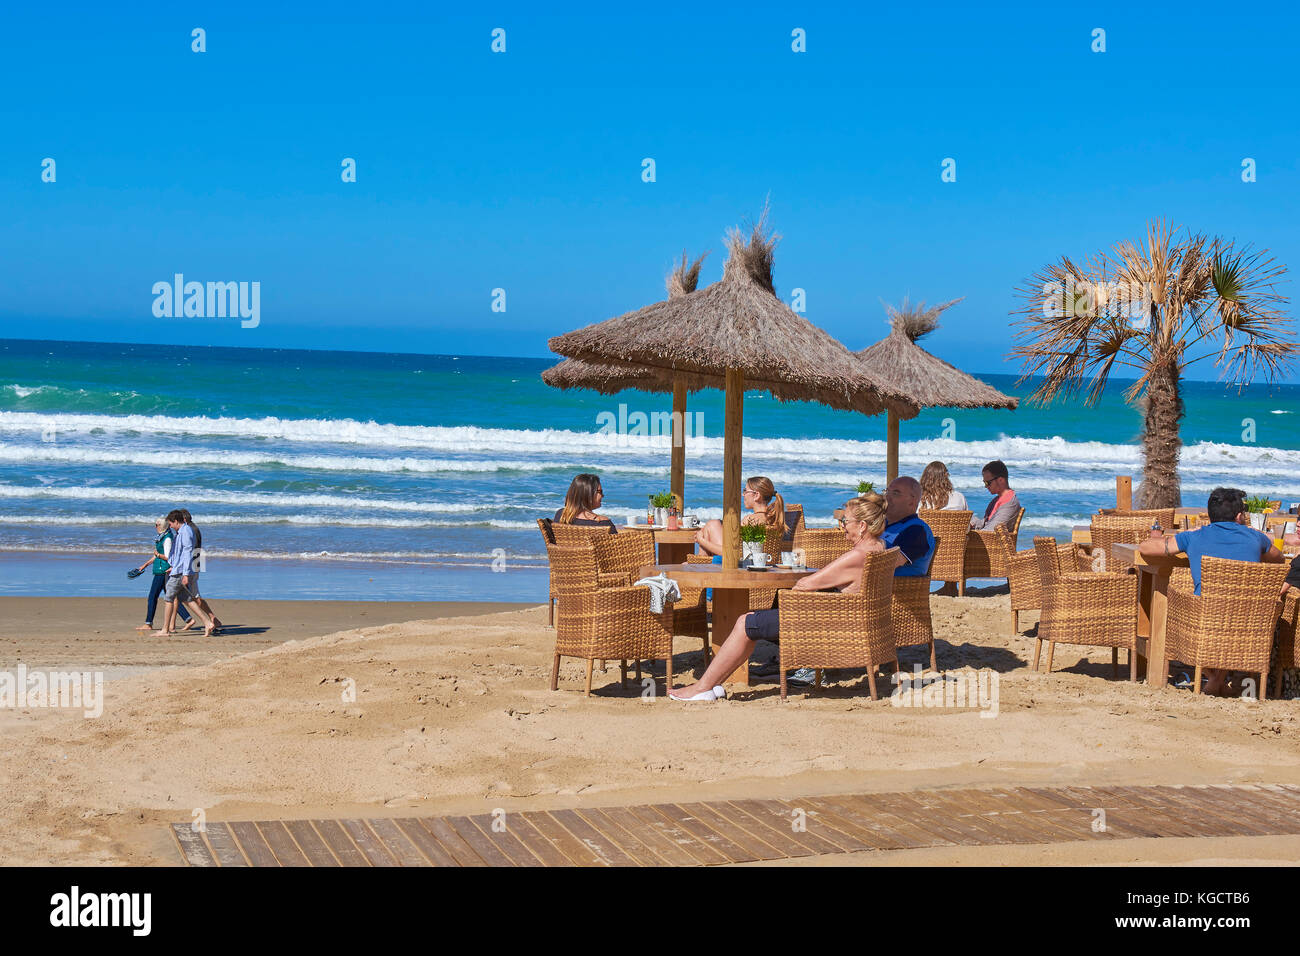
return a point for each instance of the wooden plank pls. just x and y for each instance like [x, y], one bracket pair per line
[537, 844]
[834, 825]
[732, 828]
[224, 847]
[193, 849]
[703, 833]
[340, 844]
[281, 843]
[484, 847]
[1009, 814]
[1192, 821]
[1233, 815]
[1051, 817]
[424, 841]
[636, 848]
[598, 843]
[960, 814]
[1277, 801]
[504, 840]
[451, 841]
[565, 842]
[883, 830]
[397, 843]
[820, 838]
[1149, 817]
[789, 841]
[927, 818]
[368, 842]
[310, 843]
[250, 841]
[663, 845]
[703, 853]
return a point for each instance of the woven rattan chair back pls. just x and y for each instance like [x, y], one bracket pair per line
[574, 535]
[1106, 530]
[950, 528]
[820, 546]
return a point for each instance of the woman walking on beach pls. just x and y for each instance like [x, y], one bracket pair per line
[581, 501]
[768, 508]
[162, 547]
[936, 489]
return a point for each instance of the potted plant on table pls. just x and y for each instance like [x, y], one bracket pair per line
[753, 537]
[865, 487]
[1256, 507]
[661, 502]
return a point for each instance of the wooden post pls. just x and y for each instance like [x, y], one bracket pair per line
[1124, 492]
[891, 453]
[678, 484]
[733, 434]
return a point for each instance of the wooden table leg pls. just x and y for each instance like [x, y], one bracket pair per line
[729, 604]
[674, 553]
[1157, 669]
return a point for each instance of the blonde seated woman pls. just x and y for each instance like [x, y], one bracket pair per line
[864, 520]
[767, 506]
[936, 489]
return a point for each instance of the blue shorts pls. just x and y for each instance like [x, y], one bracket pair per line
[763, 625]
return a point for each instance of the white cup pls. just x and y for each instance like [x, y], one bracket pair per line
[759, 560]
[788, 559]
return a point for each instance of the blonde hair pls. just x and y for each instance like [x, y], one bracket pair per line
[580, 497]
[869, 509]
[772, 502]
[936, 485]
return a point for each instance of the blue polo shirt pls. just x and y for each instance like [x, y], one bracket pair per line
[914, 538]
[1221, 539]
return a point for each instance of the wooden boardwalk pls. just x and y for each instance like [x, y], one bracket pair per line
[742, 831]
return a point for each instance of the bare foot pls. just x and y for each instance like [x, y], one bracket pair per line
[146, 626]
[207, 631]
[189, 625]
[162, 633]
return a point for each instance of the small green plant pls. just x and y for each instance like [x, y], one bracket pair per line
[663, 499]
[1256, 504]
[751, 533]
[865, 487]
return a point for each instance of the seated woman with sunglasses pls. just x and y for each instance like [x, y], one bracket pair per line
[863, 523]
[580, 504]
[768, 508]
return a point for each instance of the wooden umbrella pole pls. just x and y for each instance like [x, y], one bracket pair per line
[678, 486]
[891, 454]
[732, 439]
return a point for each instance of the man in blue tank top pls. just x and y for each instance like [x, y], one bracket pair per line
[905, 530]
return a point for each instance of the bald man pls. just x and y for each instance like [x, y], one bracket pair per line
[905, 530]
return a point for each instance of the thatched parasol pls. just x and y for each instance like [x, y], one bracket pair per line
[607, 379]
[736, 334]
[929, 381]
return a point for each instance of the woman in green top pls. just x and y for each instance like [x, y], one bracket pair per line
[162, 548]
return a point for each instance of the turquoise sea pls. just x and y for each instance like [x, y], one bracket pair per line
[358, 475]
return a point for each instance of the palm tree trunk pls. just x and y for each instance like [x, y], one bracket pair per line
[1161, 441]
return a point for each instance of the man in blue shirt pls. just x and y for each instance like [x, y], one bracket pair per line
[905, 530]
[1228, 535]
[178, 577]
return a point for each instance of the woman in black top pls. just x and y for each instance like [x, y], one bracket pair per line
[581, 502]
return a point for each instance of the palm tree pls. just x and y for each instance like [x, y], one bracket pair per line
[1157, 310]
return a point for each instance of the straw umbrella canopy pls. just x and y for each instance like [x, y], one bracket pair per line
[736, 334]
[606, 379]
[929, 381]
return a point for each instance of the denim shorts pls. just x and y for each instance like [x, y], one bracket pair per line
[762, 625]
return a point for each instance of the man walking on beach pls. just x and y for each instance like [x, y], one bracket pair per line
[178, 578]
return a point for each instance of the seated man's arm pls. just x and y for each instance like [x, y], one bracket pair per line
[911, 545]
[1165, 544]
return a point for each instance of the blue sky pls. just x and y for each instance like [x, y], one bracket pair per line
[522, 170]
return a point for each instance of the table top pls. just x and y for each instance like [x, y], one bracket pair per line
[716, 576]
[1129, 554]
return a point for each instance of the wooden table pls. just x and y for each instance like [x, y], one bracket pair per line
[1153, 604]
[731, 587]
[1081, 534]
[673, 546]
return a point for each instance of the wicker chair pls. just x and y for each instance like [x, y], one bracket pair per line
[910, 609]
[950, 557]
[1287, 639]
[603, 623]
[985, 556]
[1106, 530]
[548, 537]
[1023, 578]
[573, 535]
[821, 629]
[820, 546]
[760, 599]
[1230, 624]
[1092, 608]
[1161, 516]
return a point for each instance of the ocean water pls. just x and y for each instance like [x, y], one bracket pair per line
[371, 475]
